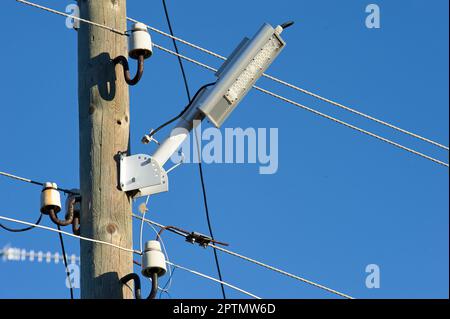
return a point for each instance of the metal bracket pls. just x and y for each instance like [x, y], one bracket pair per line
[141, 174]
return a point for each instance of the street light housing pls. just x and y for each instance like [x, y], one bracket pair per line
[239, 73]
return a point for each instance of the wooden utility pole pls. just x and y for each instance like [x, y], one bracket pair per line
[104, 132]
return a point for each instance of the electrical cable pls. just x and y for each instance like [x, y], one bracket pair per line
[124, 249]
[71, 235]
[205, 276]
[301, 90]
[165, 289]
[63, 249]
[21, 230]
[141, 232]
[205, 201]
[213, 279]
[260, 89]
[170, 263]
[268, 267]
[281, 272]
[27, 180]
[153, 132]
[282, 98]
[102, 26]
[169, 23]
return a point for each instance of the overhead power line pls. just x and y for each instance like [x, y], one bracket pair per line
[299, 89]
[282, 98]
[27, 180]
[353, 127]
[63, 250]
[70, 234]
[214, 279]
[38, 6]
[285, 273]
[256, 87]
[21, 230]
[124, 249]
[309, 282]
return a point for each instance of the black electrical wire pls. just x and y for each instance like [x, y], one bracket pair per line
[182, 112]
[26, 180]
[20, 230]
[186, 85]
[65, 261]
[205, 201]
[200, 163]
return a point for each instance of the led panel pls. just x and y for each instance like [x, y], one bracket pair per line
[254, 70]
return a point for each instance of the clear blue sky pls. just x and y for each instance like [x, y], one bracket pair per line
[339, 201]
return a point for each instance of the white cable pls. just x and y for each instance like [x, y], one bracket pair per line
[256, 87]
[213, 279]
[353, 127]
[72, 16]
[124, 249]
[396, 128]
[141, 231]
[71, 235]
[148, 221]
[314, 111]
[16, 177]
[282, 82]
[281, 271]
[261, 264]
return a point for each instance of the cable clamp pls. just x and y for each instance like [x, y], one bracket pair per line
[148, 138]
[202, 240]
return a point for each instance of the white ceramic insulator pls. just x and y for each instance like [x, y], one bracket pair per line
[140, 41]
[50, 198]
[153, 259]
